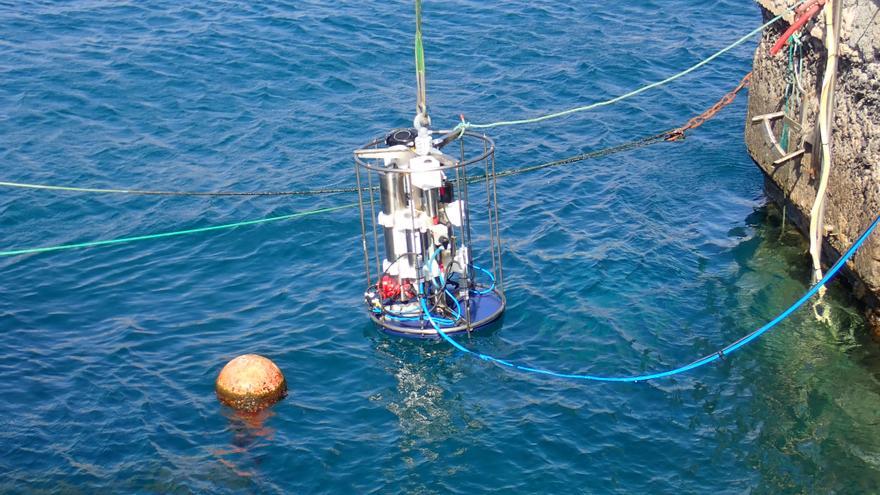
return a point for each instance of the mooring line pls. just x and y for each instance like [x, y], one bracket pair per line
[668, 135]
[657, 138]
[17, 252]
[726, 351]
[675, 134]
[593, 106]
[619, 148]
[638, 143]
[147, 192]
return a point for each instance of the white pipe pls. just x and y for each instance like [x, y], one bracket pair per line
[826, 102]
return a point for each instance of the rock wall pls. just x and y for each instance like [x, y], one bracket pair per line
[853, 198]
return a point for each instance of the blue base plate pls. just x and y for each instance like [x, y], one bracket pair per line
[484, 309]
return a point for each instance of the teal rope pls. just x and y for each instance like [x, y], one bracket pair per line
[17, 252]
[657, 138]
[792, 74]
[147, 192]
[586, 156]
[468, 125]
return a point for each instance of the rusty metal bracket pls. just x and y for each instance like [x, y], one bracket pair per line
[767, 119]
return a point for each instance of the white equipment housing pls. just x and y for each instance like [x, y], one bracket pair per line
[416, 198]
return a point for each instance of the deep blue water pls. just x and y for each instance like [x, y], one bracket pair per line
[637, 261]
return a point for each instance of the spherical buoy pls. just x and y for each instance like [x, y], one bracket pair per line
[250, 383]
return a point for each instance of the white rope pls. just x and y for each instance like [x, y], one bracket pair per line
[826, 101]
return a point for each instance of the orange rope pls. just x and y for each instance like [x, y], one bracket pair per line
[697, 121]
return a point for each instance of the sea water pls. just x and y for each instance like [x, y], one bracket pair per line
[634, 262]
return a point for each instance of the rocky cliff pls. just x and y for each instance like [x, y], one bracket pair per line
[787, 88]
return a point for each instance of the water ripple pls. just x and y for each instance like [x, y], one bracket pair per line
[633, 262]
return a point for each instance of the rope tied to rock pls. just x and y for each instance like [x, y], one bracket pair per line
[669, 135]
[642, 89]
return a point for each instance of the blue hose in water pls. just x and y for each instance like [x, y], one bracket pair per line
[492, 277]
[443, 321]
[681, 369]
[456, 313]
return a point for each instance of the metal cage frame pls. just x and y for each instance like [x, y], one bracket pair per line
[475, 291]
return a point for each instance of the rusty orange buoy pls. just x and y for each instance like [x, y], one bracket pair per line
[250, 383]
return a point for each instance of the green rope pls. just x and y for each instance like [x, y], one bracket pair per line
[468, 125]
[419, 48]
[478, 178]
[16, 252]
[631, 145]
[304, 192]
[421, 90]
[792, 88]
[789, 75]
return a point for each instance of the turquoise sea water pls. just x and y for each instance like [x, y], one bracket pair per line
[634, 262]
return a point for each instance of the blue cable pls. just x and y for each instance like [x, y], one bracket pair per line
[696, 364]
[441, 321]
[433, 257]
[398, 317]
[491, 276]
[457, 305]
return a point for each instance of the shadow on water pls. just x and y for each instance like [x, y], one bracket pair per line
[249, 434]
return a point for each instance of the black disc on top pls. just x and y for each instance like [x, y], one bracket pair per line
[405, 137]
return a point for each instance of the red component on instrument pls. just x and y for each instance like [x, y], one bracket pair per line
[388, 287]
